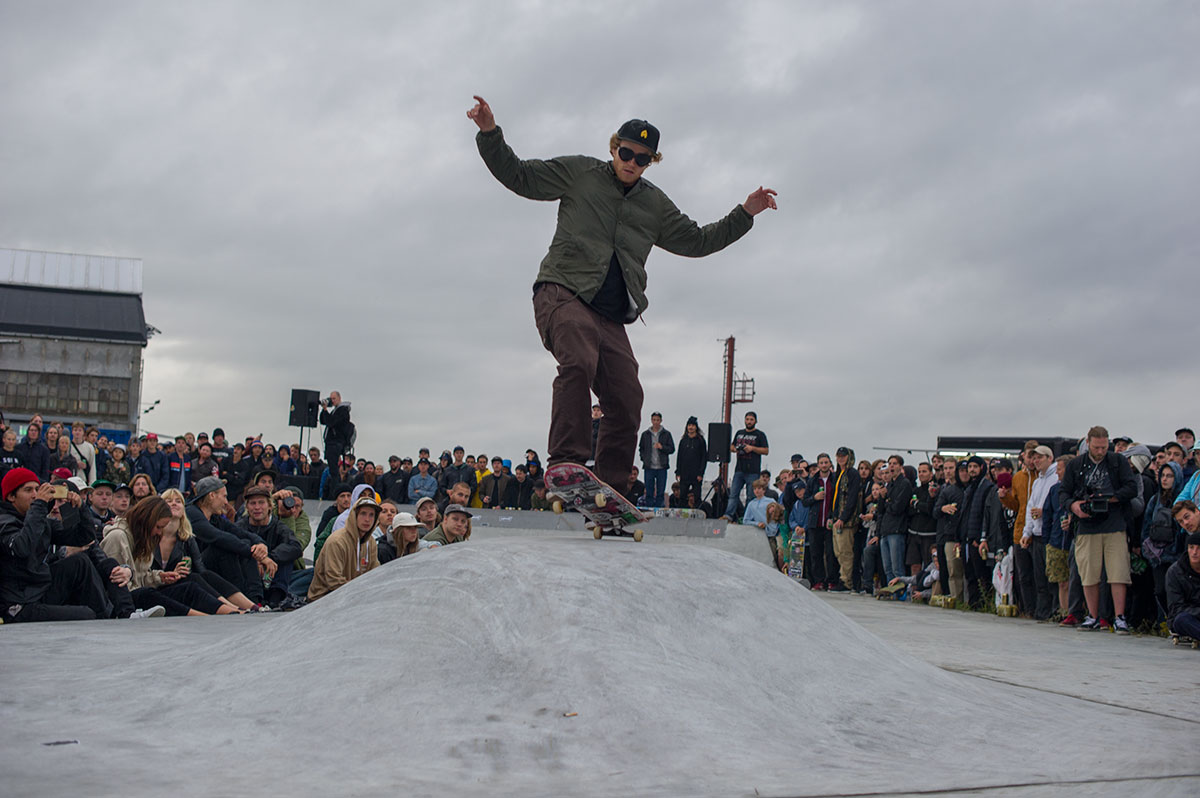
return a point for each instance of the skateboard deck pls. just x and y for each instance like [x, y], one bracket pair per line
[1182, 640]
[890, 592]
[796, 566]
[576, 486]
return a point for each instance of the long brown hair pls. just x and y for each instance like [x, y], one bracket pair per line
[142, 518]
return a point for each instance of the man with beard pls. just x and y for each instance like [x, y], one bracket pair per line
[750, 444]
[818, 499]
[847, 489]
[980, 530]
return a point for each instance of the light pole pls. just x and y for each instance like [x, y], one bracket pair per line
[153, 405]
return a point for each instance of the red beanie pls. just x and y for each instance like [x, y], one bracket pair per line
[15, 479]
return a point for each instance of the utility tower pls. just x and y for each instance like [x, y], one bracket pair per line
[737, 389]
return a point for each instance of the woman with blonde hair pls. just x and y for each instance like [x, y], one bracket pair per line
[179, 553]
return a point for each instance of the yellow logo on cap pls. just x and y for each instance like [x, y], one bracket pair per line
[645, 134]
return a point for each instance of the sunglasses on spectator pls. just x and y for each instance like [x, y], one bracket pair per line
[639, 158]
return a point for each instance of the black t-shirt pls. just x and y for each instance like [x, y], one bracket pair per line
[749, 463]
[612, 300]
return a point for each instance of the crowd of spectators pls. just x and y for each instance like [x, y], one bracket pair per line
[1093, 539]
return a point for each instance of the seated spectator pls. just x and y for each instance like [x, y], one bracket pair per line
[32, 588]
[282, 547]
[777, 528]
[1183, 577]
[133, 540]
[235, 473]
[403, 540]
[34, 453]
[341, 519]
[493, 488]
[921, 585]
[422, 485]
[118, 472]
[122, 496]
[455, 527]
[341, 503]
[350, 552]
[459, 493]
[388, 509]
[179, 551]
[99, 506]
[428, 515]
[539, 500]
[635, 489]
[239, 556]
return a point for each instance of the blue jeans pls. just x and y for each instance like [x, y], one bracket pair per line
[741, 480]
[892, 549]
[656, 483]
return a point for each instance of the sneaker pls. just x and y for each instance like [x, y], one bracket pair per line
[1070, 620]
[1089, 624]
[1120, 626]
[839, 588]
[157, 611]
[819, 586]
[1105, 626]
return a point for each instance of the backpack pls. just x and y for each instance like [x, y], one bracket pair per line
[1161, 529]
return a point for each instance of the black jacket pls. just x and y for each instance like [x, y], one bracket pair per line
[922, 521]
[37, 458]
[692, 459]
[337, 424]
[847, 495]
[394, 485]
[1183, 590]
[947, 524]
[1124, 488]
[25, 543]
[646, 446]
[896, 507]
[282, 546]
[453, 474]
[219, 531]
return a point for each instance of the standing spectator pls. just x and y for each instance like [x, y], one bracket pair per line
[458, 471]
[1033, 532]
[922, 526]
[1097, 487]
[85, 453]
[1059, 533]
[393, 483]
[521, 487]
[847, 493]
[655, 449]
[945, 511]
[10, 457]
[179, 467]
[119, 471]
[421, 485]
[61, 457]
[979, 530]
[493, 489]
[339, 429]
[221, 450]
[34, 452]
[750, 444]
[1161, 536]
[893, 526]
[1187, 441]
[153, 463]
[819, 537]
[205, 465]
[100, 444]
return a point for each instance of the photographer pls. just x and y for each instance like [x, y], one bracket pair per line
[1097, 488]
[339, 430]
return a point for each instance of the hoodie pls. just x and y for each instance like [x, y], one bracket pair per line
[345, 556]
[1158, 521]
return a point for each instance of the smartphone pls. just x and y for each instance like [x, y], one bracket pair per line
[60, 492]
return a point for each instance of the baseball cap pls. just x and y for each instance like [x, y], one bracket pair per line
[104, 483]
[641, 131]
[797, 457]
[123, 487]
[457, 508]
[61, 473]
[206, 486]
[395, 458]
[79, 484]
[256, 490]
[424, 499]
[405, 519]
[1044, 451]
[842, 450]
[150, 436]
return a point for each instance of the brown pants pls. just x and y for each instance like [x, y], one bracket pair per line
[594, 356]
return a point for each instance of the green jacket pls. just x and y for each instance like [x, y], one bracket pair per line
[438, 535]
[597, 218]
[302, 528]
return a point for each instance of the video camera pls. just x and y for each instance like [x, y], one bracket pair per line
[1097, 504]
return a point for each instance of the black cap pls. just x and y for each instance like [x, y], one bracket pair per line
[1193, 539]
[341, 488]
[797, 457]
[842, 450]
[641, 131]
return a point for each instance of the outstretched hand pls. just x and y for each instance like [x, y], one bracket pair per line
[481, 114]
[758, 201]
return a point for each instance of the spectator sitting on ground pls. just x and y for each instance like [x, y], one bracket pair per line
[121, 498]
[179, 551]
[133, 541]
[142, 486]
[388, 509]
[455, 527]
[227, 549]
[756, 510]
[1183, 577]
[405, 538]
[31, 587]
[341, 503]
[428, 515]
[341, 519]
[282, 547]
[350, 552]
[459, 493]
[923, 584]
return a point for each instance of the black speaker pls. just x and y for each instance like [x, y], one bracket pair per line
[720, 437]
[304, 409]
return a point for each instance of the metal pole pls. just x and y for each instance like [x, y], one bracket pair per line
[727, 401]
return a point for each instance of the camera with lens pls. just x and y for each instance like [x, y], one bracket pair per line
[1097, 504]
[288, 501]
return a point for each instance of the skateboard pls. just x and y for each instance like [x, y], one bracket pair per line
[891, 592]
[1181, 640]
[796, 566]
[576, 486]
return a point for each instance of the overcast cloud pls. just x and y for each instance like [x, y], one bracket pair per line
[987, 222]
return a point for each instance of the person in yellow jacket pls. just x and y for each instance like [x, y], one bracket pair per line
[349, 552]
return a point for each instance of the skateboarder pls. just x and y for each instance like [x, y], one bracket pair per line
[592, 281]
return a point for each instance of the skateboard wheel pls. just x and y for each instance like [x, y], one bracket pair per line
[557, 507]
[601, 500]
[637, 535]
[597, 533]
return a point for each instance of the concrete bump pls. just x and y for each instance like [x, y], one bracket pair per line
[517, 665]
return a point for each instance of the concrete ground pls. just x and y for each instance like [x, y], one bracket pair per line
[554, 664]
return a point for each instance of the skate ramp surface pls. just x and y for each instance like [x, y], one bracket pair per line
[552, 666]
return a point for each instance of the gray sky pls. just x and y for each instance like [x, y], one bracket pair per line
[988, 212]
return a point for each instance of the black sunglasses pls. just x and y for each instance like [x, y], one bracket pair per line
[639, 158]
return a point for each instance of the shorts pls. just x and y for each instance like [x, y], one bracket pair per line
[1058, 569]
[919, 549]
[1110, 550]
